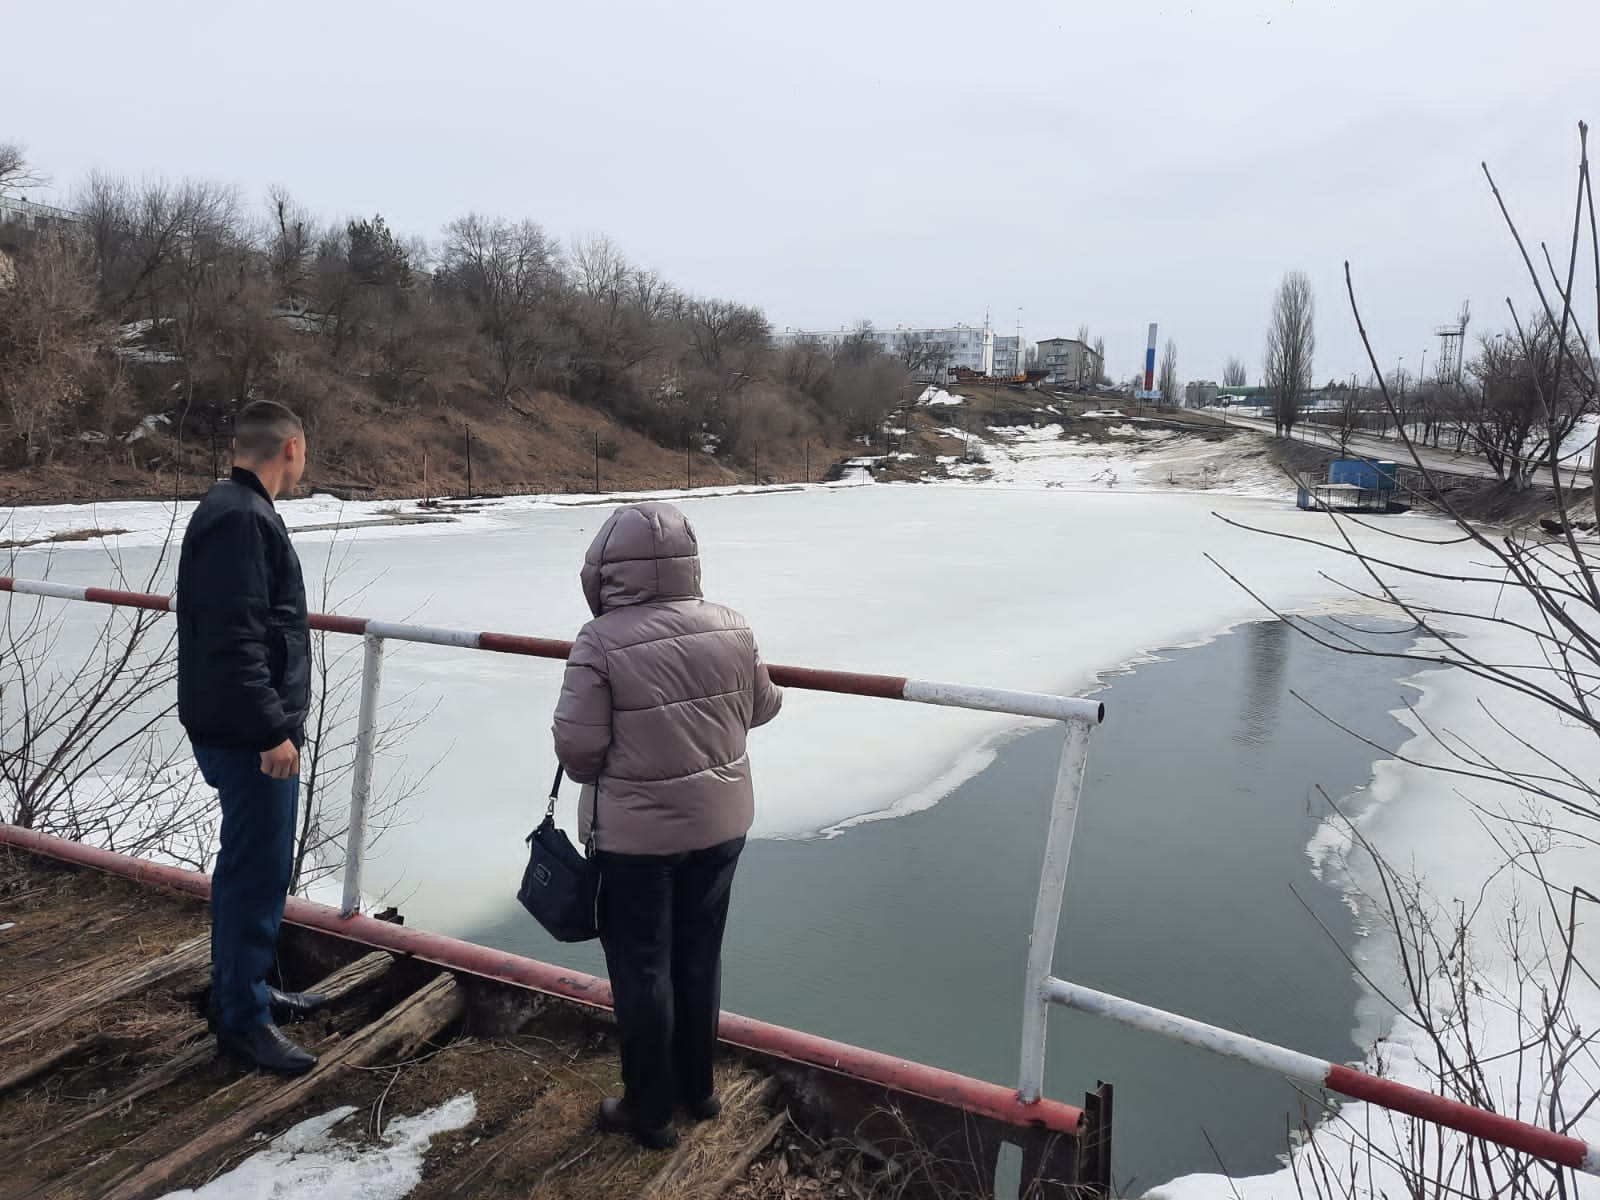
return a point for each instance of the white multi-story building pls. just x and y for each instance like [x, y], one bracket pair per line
[971, 347]
[16, 210]
[1010, 356]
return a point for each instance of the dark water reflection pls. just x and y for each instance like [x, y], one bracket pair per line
[910, 935]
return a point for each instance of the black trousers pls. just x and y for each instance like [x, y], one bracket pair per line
[661, 923]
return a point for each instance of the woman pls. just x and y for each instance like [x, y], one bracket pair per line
[660, 691]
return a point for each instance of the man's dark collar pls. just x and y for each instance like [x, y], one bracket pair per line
[247, 477]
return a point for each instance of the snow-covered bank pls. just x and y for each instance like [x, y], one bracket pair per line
[1140, 458]
[319, 517]
[1475, 848]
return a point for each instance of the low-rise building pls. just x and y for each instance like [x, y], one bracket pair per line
[1068, 361]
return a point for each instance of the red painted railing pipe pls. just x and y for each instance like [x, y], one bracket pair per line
[882, 1070]
[851, 683]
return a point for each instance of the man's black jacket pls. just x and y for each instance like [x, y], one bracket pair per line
[244, 645]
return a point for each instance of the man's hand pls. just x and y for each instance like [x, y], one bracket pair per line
[282, 761]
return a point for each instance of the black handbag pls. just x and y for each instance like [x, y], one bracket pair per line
[561, 887]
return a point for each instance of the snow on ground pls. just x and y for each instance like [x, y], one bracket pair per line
[936, 397]
[1143, 460]
[311, 1162]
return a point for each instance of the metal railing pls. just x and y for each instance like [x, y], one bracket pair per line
[1041, 987]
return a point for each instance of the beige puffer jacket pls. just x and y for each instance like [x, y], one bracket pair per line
[659, 694]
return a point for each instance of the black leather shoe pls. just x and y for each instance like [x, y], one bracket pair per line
[707, 1108]
[287, 1005]
[267, 1048]
[614, 1117]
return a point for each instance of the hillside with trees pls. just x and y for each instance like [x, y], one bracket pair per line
[135, 324]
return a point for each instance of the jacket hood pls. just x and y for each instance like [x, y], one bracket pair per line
[645, 552]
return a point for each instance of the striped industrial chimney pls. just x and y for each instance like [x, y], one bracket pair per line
[1150, 361]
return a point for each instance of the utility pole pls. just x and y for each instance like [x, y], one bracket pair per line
[596, 462]
[808, 460]
[688, 465]
[758, 464]
[469, 462]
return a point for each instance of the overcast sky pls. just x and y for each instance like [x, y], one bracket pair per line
[1115, 163]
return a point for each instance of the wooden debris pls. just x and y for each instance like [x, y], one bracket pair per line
[189, 961]
[340, 984]
[747, 1155]
[49, 1061]
[399, 1032]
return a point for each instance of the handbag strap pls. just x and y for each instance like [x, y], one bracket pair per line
[594, 817]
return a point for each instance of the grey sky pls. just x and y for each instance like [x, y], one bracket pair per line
[1114, 163]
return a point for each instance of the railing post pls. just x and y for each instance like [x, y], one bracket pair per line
[355, 849]
[1047, 912]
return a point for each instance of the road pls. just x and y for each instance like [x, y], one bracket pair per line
[1391, 449]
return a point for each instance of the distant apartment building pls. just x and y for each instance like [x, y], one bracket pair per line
[14, 210]
[968, 347]
[1069, 361]
[1010, 356]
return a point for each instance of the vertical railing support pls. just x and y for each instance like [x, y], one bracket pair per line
[1047, 912]
[355, 849]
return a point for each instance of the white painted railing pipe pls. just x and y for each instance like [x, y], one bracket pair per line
[1047, 908]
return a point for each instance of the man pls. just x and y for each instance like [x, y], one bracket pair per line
[244, 684]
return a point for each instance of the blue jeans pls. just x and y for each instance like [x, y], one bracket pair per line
[249, 882]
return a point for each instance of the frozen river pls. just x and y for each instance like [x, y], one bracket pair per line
[1200, 802]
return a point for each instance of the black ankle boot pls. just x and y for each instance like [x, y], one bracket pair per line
[286, 1005]
[707, 1108]
[267, 1048]
[614, 1117]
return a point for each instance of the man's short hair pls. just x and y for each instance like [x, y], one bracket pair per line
[261, 428]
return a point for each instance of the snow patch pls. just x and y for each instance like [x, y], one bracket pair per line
[309, 1162]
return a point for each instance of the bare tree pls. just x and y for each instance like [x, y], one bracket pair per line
[290, 242]
[1167, 377]
[1099, 368]
[1526, 401]
[15, 170]
[47, 330]
[725, 337]
[1291, 344]
[1234, 374]
[87, 748]
[1519, 619]
[923, 355]
[1347, 416]
[508, 274]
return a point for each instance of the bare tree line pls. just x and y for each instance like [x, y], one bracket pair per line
[180, 300]
[1520, 618]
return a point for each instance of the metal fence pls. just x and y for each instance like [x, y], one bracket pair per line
[1041, 987]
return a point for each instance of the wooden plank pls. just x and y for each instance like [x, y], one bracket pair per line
[746, 1093]
[192, 958]
[399, 1032]
[740, 1166]
[340, 984]
[47, 1062]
